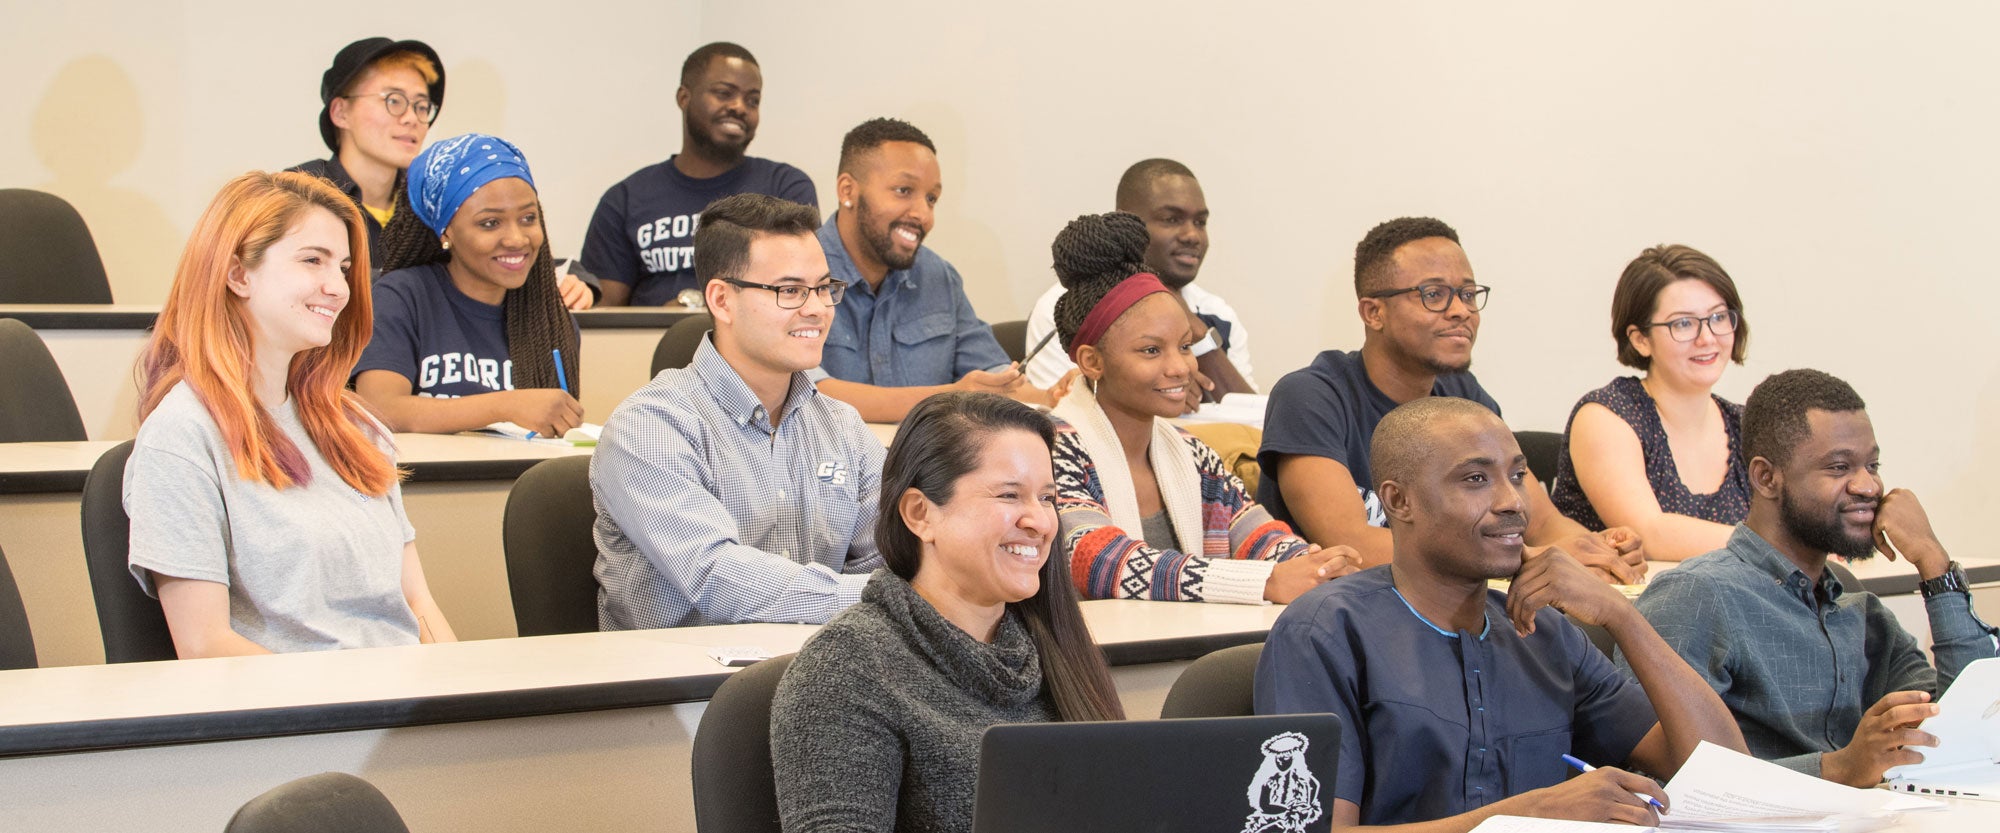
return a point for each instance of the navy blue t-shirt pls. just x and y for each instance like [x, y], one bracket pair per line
[642, 233]
[1330, 409]
[445, 343]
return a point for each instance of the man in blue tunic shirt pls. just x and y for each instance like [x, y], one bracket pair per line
[1449, 720]
[906, 330]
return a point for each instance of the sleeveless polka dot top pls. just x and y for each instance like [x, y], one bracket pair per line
[1627, 398]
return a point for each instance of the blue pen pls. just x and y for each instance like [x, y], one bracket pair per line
[562, 379]
[1574, 761]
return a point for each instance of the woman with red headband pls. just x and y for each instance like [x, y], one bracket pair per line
[1146, 510]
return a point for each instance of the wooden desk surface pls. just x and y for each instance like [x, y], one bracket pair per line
[48, 710]
[28, 468]
[142, 316]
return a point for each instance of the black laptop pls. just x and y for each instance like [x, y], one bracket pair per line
[1221, 774]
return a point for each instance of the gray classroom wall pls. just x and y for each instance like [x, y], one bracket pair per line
[1832, 155]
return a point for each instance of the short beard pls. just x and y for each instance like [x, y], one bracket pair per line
[878, 239]
[1442, 369]
[704, 142]
[1820, 533]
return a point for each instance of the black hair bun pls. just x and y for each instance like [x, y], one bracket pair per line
[1097, 247]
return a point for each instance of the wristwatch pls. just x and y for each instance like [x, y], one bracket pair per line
[1952, 581]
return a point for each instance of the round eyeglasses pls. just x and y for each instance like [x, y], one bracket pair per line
[397, 103]
[1437, 297]
[793, 295]
[1688, 327]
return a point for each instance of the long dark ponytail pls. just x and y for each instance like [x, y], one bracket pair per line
[940, 442]
[537, 321]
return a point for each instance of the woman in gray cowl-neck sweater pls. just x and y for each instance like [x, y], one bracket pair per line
[876, 725]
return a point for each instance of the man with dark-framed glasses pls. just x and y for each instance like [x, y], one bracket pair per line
[1420, 306]
[733, 490]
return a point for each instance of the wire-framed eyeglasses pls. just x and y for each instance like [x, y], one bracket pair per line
[397, 104]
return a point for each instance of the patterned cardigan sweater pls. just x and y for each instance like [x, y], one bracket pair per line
[1107, 562]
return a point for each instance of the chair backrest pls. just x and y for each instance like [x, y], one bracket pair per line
[1541, 448]
[734, 789]
[678, 343]
[46, 253]
[17, 641]
[330, 802]
[133, 627]
[550, 552]
[1221, 684]
[1013, 338]
[1848, 582]
[1598, 637]
[35, 402]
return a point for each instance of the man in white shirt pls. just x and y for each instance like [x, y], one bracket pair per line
[1165, 194]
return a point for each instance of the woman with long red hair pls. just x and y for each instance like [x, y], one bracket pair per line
[266, 510]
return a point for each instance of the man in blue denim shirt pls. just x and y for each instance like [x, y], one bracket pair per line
[906, 329]
[1820, 675]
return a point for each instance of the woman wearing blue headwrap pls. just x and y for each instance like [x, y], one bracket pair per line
[473, 337]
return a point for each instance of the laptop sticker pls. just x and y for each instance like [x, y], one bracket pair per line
[1284, 795]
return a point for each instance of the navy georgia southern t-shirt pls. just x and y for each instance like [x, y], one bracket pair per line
[642, 233]
[445, 343]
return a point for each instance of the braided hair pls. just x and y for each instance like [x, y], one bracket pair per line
[536, 320]
[1092, 255]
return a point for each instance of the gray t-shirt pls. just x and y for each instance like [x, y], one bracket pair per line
[309, 568]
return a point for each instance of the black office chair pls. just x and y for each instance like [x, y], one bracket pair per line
[1598, 637]
[17, 641]
[678, 343]
[549, 549]
[133, 627]
[1541, 448]
[330, 802]
[35, 402]
[734, 788]
[46, 253]
[1013, 338]
[1221, 684]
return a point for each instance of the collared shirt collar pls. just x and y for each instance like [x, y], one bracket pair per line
[844, 268]
[1759, 553]
[338, 175]
[734, 394]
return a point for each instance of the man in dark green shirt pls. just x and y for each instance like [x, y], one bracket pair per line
[1820, 676]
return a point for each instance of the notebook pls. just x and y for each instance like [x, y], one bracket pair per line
[1251, 774]
[1966, 761]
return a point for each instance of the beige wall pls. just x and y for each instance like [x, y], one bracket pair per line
[1832, 155]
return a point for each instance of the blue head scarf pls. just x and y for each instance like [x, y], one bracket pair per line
[444, 176]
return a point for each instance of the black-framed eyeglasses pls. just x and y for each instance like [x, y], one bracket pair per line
[1688, 327]
[397, 103]
[793, 295]
[1436, 297]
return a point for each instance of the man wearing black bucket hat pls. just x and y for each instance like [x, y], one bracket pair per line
[377, 104]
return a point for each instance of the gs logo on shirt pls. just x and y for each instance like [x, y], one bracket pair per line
[833, 472]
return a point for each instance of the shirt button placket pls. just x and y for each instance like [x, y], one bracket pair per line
[1480, 773]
